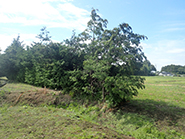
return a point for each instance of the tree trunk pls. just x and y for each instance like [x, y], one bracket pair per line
[103, 93]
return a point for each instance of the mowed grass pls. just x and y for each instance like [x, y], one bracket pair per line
[170, 90]
[157, 112]
[47, 122]
[163, 100]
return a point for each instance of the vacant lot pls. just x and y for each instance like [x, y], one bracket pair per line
[157, 112]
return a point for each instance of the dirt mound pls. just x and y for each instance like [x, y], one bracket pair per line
[34, 97]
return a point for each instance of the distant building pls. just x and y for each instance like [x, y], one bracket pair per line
[164, 73]
[153, 71]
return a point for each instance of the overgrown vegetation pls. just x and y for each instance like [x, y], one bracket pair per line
[98, 63]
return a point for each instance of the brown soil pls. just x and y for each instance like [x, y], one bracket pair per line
[35, 97]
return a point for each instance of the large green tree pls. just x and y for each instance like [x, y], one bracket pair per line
[111, 60]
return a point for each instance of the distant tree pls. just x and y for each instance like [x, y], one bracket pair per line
[146, 69]
[181, 70]
[176, 69]
[11, 61]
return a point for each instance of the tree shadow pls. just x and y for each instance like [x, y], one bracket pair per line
[158, 110]
[151, 117]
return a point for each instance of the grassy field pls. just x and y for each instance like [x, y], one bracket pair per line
[157, 112]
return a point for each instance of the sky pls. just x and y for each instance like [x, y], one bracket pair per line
[162, 21]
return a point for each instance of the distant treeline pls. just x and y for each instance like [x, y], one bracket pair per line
[98, 61]
[175, 69]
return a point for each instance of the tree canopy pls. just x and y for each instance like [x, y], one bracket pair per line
[175, 69]
[100, 63]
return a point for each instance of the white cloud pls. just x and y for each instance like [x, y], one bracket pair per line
[174, 29]
[29, 13]
[8, 39]
[42, 12]
[172, 26]
[176, 50]
[165, 52]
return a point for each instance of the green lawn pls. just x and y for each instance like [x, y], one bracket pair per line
[166, 90]
[157, 112]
